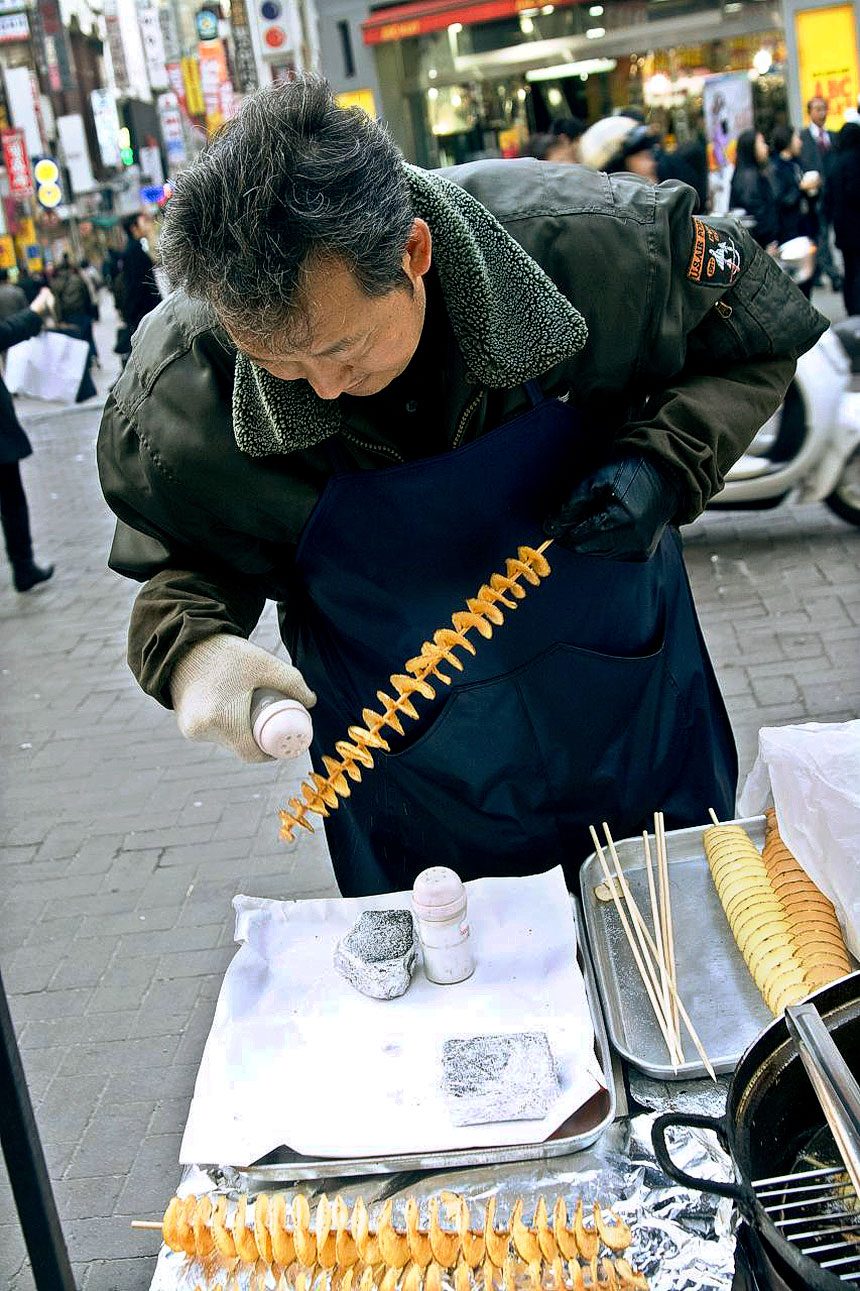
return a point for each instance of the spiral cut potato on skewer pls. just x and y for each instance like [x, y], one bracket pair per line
[558, 1249]
[320, 794]
[784, 926]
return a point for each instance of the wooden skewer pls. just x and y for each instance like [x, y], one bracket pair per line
[714, 817]
[641, 929]
[668, 928]
[655, 918]
[672, 986]
[662, 1021]
[147, 1223]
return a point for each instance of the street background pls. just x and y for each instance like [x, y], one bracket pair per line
[122, 845]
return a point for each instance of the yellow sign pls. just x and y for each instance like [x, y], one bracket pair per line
[7, 253]
[46, 171]
[26, 231]
[357, 99]
[193, 89]
[49, 195]
[827, 56]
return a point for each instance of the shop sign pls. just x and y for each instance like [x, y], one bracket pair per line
[193, 88]
[169, 36]
[171, 128]
[76, 155]
[106, 119]
[357, 99]
[244, 63]
[402, 21]
[13, 27]
[51, 45]
[117, 48]
[17, 163]
[7, 252]
[47, 175]
[207, 24]
[827, 58]
[213, 75]
[727, 105]
[153, 46]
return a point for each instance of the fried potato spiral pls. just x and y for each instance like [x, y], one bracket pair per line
[558, 1249]
[320, 794]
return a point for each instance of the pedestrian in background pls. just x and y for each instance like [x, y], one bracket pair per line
[137, 292]
[842, 199]
[751, 189]
[12, 298]
[567, 132]
[74, 308]
[786, 175]
[620, 144]
[14, 447]
[817, 153]
[689, 163]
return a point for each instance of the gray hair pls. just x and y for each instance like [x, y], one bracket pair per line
[290, 180]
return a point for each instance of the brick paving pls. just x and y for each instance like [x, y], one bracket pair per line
[122, 845]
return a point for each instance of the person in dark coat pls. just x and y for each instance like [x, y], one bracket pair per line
[12, 298]
[842, 198]
[689, 163]
[74, 302]
[139, 293]
[751, 189]
[817, 154]
[357, 401]
[785, 175]
[14, 446]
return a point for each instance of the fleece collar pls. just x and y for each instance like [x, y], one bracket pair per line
[510, 320]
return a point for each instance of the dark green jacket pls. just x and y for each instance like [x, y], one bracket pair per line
[676, 337]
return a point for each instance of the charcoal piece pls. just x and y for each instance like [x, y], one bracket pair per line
[379, 953]
[490, 1078]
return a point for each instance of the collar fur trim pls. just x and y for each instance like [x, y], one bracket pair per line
[510, 320]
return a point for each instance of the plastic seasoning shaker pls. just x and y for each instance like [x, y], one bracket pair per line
[282, 727]
[439, 906]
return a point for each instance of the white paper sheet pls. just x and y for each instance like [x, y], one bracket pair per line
[812, 772]
[297, 1057]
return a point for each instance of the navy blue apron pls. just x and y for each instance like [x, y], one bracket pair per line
[594, 700]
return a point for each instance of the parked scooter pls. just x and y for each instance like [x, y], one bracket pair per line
[809, 450]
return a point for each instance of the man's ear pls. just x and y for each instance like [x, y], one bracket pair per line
[419, 250]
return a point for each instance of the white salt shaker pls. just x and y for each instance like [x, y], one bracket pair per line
[281, 727]
[439, 906]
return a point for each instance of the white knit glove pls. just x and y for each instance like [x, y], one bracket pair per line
[212, 685]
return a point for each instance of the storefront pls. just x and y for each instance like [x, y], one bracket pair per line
[461, 81]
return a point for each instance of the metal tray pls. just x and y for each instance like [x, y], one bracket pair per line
[579, 1131]
[713, 981]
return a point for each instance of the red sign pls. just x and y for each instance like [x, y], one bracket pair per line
[417, 19]
[17, 163]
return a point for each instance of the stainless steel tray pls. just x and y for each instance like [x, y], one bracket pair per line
[713, 981]
[579, 1131]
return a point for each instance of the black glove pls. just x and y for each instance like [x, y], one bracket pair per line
[619, 512]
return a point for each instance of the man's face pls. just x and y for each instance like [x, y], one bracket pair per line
[356, 344]
[818, 112]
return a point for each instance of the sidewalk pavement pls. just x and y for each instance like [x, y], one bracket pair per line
[122, 845]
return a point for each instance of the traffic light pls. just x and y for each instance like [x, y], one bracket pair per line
[126, 152]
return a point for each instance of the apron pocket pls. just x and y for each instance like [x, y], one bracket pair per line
[570, 738]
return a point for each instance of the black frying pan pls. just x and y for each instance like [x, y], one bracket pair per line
[771, 1114]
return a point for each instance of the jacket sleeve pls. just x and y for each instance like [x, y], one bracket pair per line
[185, 597]
[725, 329]
[19, 327]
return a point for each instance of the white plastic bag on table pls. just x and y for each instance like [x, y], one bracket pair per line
[48, 366]
[812, 773]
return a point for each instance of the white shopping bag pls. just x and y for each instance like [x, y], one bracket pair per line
[813, 773]
[49, 366]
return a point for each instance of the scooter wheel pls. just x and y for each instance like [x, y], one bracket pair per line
[844, 501]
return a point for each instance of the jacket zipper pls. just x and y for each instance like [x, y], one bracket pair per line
[371, 447]
[466, 418]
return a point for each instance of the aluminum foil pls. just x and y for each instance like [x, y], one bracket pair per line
[682, 1240]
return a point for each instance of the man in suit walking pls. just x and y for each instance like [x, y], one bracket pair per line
[817, 151]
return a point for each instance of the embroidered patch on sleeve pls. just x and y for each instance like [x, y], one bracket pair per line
[716, 257]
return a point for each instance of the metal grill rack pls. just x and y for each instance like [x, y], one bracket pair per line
[818, 1211]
